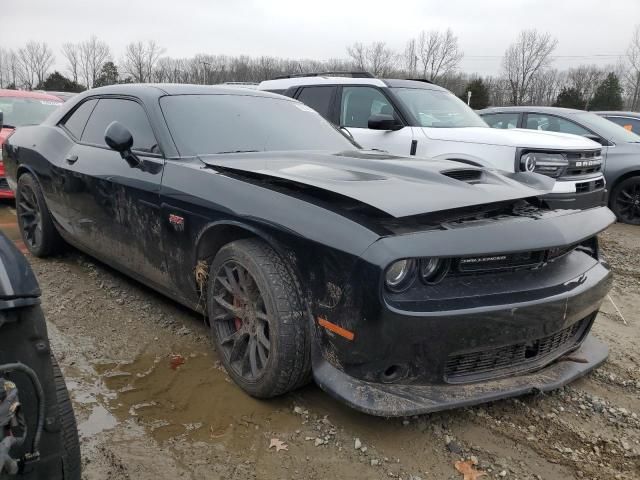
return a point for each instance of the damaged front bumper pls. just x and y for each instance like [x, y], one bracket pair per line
[469, 339]
[405, 400]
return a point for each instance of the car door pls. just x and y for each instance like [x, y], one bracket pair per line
[357, 104]
[117, 205]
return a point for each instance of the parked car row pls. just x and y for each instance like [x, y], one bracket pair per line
[620, 147]
[401, 285]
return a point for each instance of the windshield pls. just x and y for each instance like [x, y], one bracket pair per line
[21, 111]
[209, 124]
[438, 109]
[606, 128]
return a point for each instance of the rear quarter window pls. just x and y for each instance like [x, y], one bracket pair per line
[76, 122]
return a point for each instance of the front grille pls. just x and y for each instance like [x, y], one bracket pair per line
[583, 163]
[466, 175]
[492, 263]
[496, 362]
[4, 185]
[584, 187]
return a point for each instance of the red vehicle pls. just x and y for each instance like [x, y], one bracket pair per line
[21, 108]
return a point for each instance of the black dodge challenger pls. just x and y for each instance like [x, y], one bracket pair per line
[400, 286]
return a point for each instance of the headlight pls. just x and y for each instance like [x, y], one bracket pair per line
[550, 164]
[433, 270]
[399, 275]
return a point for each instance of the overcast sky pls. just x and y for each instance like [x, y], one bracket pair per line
[590, 31]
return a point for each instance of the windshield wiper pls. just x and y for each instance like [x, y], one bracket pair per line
[237, 151]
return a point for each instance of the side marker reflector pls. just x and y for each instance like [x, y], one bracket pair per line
[332, 327]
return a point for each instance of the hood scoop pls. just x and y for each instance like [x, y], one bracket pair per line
[464, 175]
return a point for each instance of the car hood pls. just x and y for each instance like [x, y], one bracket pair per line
[515, 137]
[397, 186]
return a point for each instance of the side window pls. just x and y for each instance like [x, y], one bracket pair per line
[551, 123]
[630, 124]
[502, 120]
[76, 122]
[359, 103]
[318, 98]
[127, 112]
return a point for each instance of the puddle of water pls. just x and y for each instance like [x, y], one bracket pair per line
[99, 420]
[195, 400]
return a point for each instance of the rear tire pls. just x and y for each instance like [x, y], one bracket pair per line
[258, 319]
[625, 201]
[72, 463]
[38, 232]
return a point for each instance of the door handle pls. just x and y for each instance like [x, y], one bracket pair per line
[71, 159]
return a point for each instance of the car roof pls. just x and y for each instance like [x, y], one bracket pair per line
[163, 89]
[284, 83]
[619, 113]
[533, 109]
[28, 94]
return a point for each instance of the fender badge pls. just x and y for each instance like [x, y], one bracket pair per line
[177, 222]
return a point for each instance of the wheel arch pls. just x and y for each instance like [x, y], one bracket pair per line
[216, 235]
[620, 179]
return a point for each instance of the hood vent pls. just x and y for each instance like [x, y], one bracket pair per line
[464, 175]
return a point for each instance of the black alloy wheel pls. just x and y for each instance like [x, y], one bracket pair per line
[258, 319]
[625, 201]
[241, 320]
[38, 232]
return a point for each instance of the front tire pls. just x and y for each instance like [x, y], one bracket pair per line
[625, 201]
[258, 321]
[38, 232]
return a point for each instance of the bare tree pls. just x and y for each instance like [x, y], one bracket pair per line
[93, 55]
[411, 58]
[586, 79]
[35, 59]
[140, 60]
[375, 58]
[4, 68]
[71, 52]
[546, 85]
[524, 59]
[633, 70]
[439, 53]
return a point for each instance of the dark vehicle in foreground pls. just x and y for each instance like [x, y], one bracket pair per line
[18, 108]
[38, 435]
[402, 286]
[620, 148]
[627, 120]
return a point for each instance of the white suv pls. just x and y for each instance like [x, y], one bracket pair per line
[408, 117]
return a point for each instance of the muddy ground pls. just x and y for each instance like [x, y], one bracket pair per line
[139, 418]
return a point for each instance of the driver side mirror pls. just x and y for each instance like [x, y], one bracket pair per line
[119, 138]
[382, 121]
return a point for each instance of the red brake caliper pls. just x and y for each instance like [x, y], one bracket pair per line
[237, 321]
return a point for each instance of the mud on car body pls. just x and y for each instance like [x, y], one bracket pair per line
[402, 286]
[38, 435]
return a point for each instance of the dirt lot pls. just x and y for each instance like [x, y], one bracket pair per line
[139, 418]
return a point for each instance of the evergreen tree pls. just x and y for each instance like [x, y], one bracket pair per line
[570, 97]
[108, 75]
[608, 95]
[479, 94]
[59, 83]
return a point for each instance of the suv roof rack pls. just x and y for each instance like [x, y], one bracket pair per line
[424, 80]
[328, 74]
